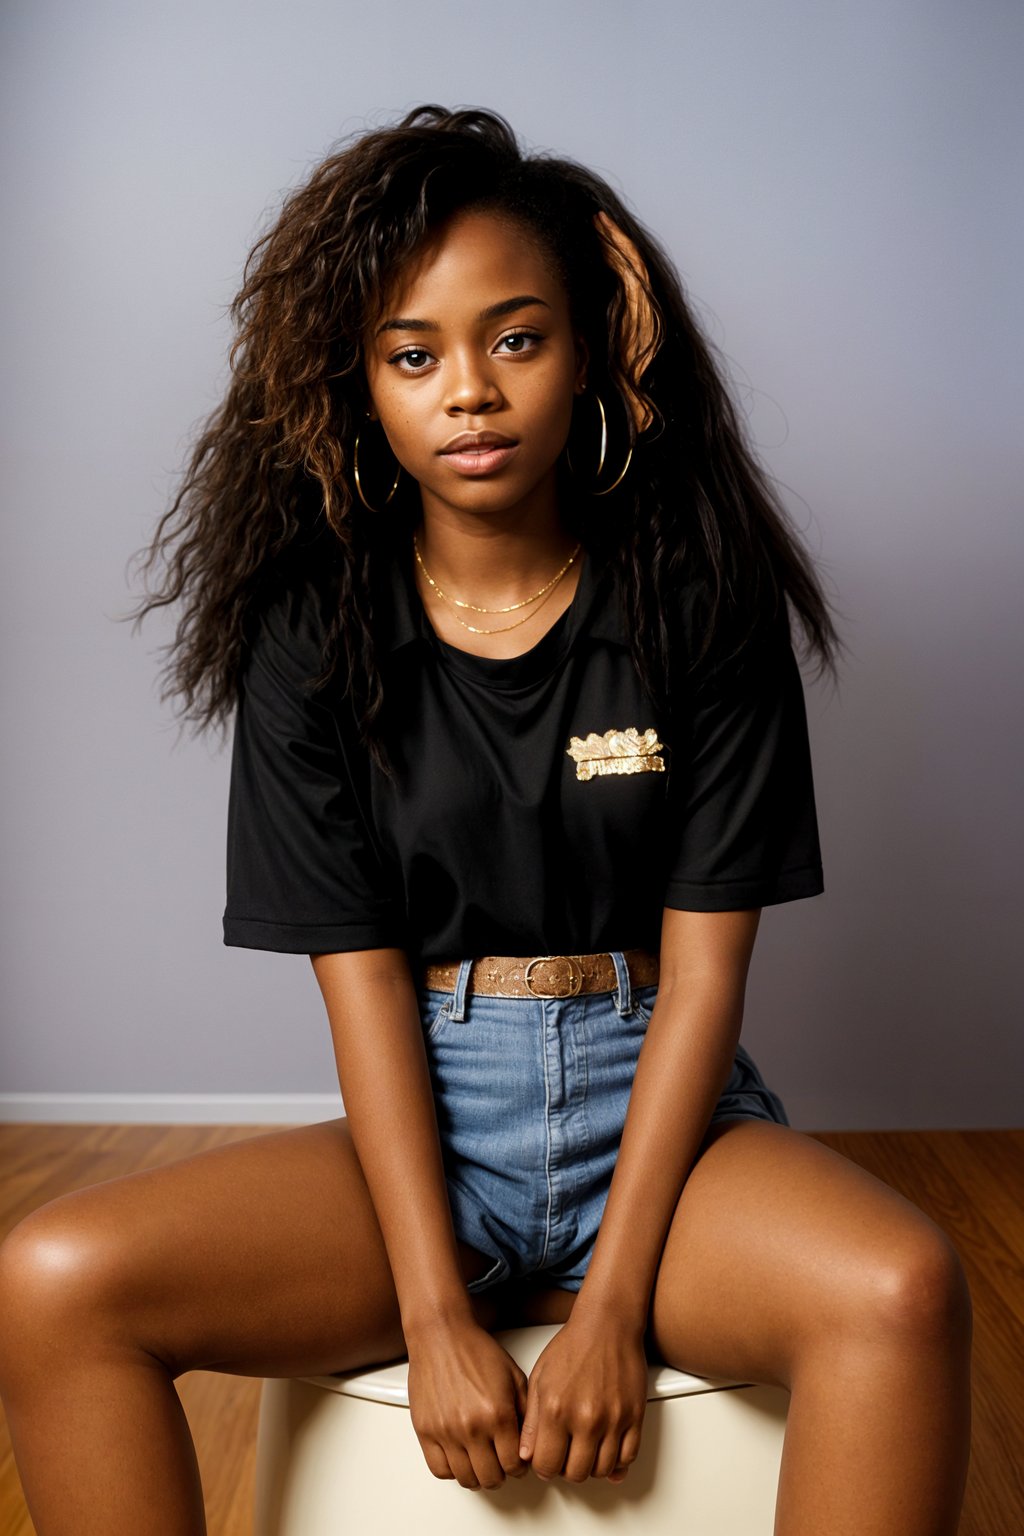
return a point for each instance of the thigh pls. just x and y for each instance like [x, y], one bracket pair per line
[778, 1242]
[261, 1258]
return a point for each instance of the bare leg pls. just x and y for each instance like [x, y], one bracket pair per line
[261, 1258]
[787, 1264]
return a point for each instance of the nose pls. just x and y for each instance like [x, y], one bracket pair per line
[471, 388]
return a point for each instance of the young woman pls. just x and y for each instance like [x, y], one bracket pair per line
[476, 546]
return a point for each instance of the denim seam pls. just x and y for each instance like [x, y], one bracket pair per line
[623, 986]
[458, 1011]
[582, 1117]
[439, 1018]
[547, 1134]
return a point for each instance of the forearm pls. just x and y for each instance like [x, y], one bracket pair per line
[683, 1066]
[385, 1083]
[599, 1357]
[682, 1069]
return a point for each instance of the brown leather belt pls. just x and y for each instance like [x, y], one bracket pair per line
[544, 975]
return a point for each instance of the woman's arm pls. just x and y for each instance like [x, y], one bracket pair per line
[465, 1391]
[588, 1390]
[683, 1066]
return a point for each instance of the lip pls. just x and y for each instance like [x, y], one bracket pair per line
[478, 453]
[477, 440]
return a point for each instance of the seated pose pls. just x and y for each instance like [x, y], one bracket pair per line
[477, 548]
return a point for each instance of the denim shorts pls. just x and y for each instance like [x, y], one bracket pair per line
[531, 1098]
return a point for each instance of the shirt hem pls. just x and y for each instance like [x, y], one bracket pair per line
[306, 938]
[732, 896]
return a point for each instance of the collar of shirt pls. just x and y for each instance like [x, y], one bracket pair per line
[596, 606]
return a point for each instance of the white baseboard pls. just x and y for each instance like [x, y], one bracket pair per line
[169, 1108]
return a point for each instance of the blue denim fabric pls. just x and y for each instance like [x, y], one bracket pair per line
[531, 1098]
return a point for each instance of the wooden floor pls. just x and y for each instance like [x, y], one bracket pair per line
[970, 1182]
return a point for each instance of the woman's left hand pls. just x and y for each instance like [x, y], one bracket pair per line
[585, 1401]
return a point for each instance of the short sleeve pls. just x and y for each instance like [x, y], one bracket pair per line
[744, 823]
[303, 873]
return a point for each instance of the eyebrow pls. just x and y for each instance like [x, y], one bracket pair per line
[492, 312]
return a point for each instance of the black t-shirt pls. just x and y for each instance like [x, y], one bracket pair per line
[539, 805]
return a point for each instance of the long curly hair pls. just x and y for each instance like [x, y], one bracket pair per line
[268, 492]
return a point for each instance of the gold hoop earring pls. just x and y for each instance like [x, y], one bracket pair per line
[359, 483]
[602, 454]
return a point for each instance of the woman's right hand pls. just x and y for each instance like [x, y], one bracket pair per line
[467, 1398]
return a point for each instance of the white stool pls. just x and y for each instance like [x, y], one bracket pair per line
[338, 1455]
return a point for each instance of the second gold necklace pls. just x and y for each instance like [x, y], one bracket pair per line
[542, 595]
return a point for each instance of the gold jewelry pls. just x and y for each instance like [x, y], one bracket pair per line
[601, 455]
[513, 605]
[545, 592]
[359, 484]
[500, 629]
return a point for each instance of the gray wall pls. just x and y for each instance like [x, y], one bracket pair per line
[839, 184]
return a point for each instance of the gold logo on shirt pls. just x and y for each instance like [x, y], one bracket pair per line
[629, 751]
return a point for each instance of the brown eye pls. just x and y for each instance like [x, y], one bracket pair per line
[518, 342]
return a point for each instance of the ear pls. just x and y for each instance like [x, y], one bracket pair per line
[582, 364]
[366, 394]
[641, 332]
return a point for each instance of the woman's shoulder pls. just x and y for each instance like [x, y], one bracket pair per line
[290, 606]
[707, 644]
[288, 625]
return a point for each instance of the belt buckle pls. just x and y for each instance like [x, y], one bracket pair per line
[575, 975]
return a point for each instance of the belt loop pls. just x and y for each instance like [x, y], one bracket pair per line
[458, 1010]
[623, 997]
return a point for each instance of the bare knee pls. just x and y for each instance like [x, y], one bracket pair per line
[917, 1293]
[55, 1285]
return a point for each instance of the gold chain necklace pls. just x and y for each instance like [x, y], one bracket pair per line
[499, 629]
[457, 601]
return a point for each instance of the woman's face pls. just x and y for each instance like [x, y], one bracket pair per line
[472, 368]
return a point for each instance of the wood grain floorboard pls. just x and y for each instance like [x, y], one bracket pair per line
[971, 1183]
